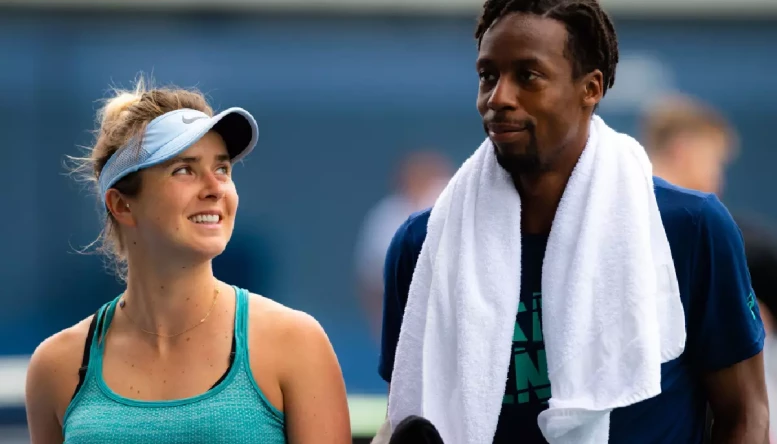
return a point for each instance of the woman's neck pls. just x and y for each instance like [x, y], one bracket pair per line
[169, 300]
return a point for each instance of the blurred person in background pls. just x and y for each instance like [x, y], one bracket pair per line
[419, 180]
[689, 143]
[504, 237]
[168, 359]
[761, 250]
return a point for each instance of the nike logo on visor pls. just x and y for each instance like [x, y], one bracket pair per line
[190, 120]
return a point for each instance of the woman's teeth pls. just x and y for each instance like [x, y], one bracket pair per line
[205, 218]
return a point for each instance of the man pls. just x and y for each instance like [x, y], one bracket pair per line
[689, 143]
[544, 65]
[761, 250]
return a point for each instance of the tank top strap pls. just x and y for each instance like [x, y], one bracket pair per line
[97, 339]
[241, 322]
[110, 311]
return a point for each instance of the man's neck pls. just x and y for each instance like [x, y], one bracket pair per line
[540, 196]
[541, 192]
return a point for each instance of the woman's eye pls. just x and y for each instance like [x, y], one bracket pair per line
[182, 170]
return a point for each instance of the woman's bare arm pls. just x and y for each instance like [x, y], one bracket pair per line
[52, 377]
[314, 396]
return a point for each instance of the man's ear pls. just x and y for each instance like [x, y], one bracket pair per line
[592, 90]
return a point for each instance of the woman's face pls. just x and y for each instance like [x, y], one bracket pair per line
[187, 205]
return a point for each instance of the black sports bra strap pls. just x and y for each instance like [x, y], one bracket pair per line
[96, 320]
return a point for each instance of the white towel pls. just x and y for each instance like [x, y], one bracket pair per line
[611, 306]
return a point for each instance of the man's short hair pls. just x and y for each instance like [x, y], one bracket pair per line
[592, 42]
[676, 115]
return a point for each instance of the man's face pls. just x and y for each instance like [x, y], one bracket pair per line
[531, 105]
[703, 157]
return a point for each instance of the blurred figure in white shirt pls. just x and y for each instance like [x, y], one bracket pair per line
[421, 178]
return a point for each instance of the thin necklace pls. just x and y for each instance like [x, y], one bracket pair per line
[123, 303]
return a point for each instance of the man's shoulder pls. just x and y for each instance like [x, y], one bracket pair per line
[410, 236]
[401, 258]
[685, 212]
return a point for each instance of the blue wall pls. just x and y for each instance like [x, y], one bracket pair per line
[338, 102]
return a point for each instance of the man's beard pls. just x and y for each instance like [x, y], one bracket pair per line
[516, 165]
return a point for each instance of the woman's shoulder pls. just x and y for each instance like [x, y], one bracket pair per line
[285, 325]
[52, 375]
[292, 347]
[63, 348]
[288, 349]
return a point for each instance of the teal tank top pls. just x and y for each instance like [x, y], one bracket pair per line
[234, 411]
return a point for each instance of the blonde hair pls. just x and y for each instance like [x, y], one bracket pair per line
[121, 122]
[671, 116]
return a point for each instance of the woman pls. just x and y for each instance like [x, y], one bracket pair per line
[181, 357]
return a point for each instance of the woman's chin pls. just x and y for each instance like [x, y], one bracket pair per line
[205, 251]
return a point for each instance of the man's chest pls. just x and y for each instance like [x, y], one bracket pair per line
[527, 387]
[527, 379]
